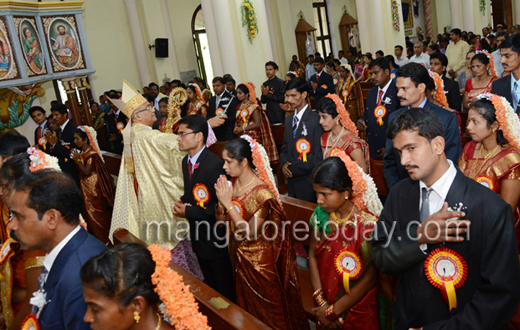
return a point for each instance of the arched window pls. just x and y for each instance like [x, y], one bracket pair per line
[200, 40]
[321, 23]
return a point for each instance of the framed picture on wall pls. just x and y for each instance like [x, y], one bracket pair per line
[407, 13]
[8, 68]
[31, 45]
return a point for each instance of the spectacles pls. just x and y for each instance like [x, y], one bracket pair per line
[148, 108]
[184, 134]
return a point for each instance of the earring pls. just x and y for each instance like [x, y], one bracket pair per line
[136, 317]
[346, 197]
[494, 130]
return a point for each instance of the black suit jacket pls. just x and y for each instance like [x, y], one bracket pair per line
[489, 297]
[112, 120]
[376, 135]
[62, 150]
[452, 92]
[273, 99]
[394, 171]
[300, 185]
[65, 306]
[204, 236]
[224, 132]
[325, 86]
[502, 87]
[45, 127]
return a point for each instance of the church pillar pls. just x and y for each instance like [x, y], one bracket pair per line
[263, 29]
[211, 31]
[69, 85]
[172, 54]
[377, 27]
[81, 83]
[428, 19]
[364, 26]
[138, 41]
[272, 33]
[468, 16]
[516, 10]
[456, 14]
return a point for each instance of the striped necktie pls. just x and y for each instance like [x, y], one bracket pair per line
[294, 126]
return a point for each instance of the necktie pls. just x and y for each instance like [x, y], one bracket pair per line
[318, 78]
[39, 132]
[515, 96]
[380, 97]
[425, 207]
[41, 281]
[294, 125]
[58, 134]
[190, 170]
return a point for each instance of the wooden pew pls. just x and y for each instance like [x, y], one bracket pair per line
[230, 317]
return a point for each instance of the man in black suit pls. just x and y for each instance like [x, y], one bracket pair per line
[302, 128]
[38, 115]
[222, 111]
[62, 141]
[46, 206]
[321, 82]
[422, 215]
[273, 93]
[509, 86]
[438, 64]
[202, 167]
[412, 81]
[116, 121]
[385, 95]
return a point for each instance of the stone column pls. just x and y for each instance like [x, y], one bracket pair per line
[211, 31]
[468, 16]
[69, 85]
[456, 15]
[516, 10]
[272, 32]
[364, 26]
[171, 45]
[138, 41]
[263, 29]
[81, 83]
[377, 27]
[428, 19]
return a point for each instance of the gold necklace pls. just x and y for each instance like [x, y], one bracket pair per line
[486, 157]
[335, 141]
[339, 221]
[240, 188]
[159, 323]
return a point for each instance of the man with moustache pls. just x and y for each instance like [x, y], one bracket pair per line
[509, 86]
[381, 102]
[222, 108]
[450, 241]
[412, 81]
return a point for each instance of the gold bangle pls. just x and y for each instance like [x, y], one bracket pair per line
[232, 207]
[319, 298]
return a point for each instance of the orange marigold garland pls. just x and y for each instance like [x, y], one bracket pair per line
[506, 117]
[439, 88]
[252, 94]
[40, 160]
[180, 308]
[344, 117]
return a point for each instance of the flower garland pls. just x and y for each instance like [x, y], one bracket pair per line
[40, 160]
[344, 117]
[491, 62]
[249, 20]
[395, 16]
[364, 190]
[260, 159]
[439, 88]
[507, 118]
[252, 94]
[181, 309]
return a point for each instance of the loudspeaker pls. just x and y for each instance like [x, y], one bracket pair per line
[161, 47]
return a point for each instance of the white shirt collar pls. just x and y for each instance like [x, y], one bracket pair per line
[63, 126]
[50, 257]
[194, 159]
[300, 113]
[443, 184]
[422, 104]
[117, 112]
[319, 74]
[43, 124]
[385, 88]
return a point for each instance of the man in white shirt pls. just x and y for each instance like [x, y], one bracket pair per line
[309, 68]
[341, 57]
[46, 206]
[154, 91]
[399, 58]
[420, 57]
[499, 68]
[456, 53]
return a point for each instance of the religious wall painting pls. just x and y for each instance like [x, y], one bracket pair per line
[8, 68]
[64, 43]
[31, 45]
[407, 13]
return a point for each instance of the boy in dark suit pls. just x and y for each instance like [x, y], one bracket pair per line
[301, 149]
[322, 83]
[438, 64]
[63, 141]
[222, 109]
[201, 169]
[38, 115]
[509, 86]
[420, 238]
[46, 207]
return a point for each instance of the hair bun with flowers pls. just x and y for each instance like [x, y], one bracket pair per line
[439, 88]
[491, 61]
[40, 160]
[261, 162]
[364, 191]
[344, 116]
[252, 94]
[506, 117]
[197, 91]
[92, 137]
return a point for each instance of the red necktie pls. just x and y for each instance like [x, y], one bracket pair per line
[39, 132]
[190, 170]
[380, 98]
[318, 79]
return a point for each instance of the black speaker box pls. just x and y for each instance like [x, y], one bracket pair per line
[161, 47]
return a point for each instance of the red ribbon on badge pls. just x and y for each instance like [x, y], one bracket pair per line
[120, 126]
[243, 114]
[201, 194]
[349, 265]
[303, 147]
[380, 113]
[345, 93]
[42, 142]
[30, 323]
[219, 112]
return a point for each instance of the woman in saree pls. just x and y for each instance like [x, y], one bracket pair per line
[197, 105]
[252, 120]
[342, 274]
[31, 48]
[349, 90]
[261, 248]
[206, 93]
[362, 72]
[492, 158]
[467, 74]
[97, 186]
[341, 132]
[481, 64]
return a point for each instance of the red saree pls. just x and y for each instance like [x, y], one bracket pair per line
[265, 269]
[347, 142]
[98, 191]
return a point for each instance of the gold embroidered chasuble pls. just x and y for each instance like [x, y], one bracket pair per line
[159, 183]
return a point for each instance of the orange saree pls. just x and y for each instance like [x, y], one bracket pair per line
[265, 269]
[347, 142]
